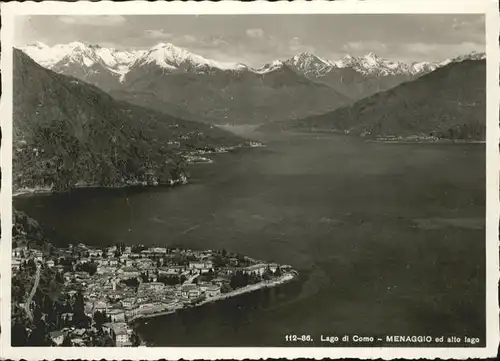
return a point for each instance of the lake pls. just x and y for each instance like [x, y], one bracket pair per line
[388, 238]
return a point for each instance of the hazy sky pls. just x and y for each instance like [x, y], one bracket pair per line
[258, 39]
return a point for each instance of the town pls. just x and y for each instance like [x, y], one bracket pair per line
[87, 296]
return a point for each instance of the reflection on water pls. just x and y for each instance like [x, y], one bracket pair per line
[386, 237]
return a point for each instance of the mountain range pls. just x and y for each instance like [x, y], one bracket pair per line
[175, 59]
[173, 80]
[448, 103]
[69, 133]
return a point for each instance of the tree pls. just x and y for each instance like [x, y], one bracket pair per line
[18, 334]
[39, 336]
[31, 265]
[59, 278]
[80, 319]
[131, 282]
[225, 288]
[92, 268]
[278, 272]
[134, 339]
[100, 318]
[66, 341]
[220, 261]
[239, 279]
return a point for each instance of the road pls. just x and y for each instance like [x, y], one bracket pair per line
[27, 304]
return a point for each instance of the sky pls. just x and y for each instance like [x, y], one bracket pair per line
[259, 39]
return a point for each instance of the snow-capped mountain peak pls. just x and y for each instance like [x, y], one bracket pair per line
[171, 57]
[38, 45]
[76, 56]
[309, 63]
[372, 64]
[267, 68]
[474, 55]
[79, 53]
[77, 45]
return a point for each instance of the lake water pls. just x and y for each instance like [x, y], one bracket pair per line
[388, 238]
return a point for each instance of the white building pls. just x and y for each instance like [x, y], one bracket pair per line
[213, 291]
[95, 252]
[15, 264]
[19, 252]
[116, 315]
[128, 302]
[200, 265]
[256, 268]
[158, 250]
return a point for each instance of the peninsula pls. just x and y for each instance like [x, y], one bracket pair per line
[87, 296]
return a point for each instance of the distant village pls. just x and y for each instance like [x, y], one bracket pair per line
[100, 292]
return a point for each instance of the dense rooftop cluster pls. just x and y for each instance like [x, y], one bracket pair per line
[96, 293]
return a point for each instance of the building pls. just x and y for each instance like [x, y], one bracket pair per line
[78, 332]
[146, 253]
[194, 293]
[95, 252]
[128, 272]
[200, 265]
[121, 333]
[57, 337]
[105, 269]
[158, 250]
[15, 264]
[190, 290]
[256, 268]
[168, 272]
[128, 302]
[150, 270]
[107, 328]
[88, 310]
[101, 261]
[77, 342]
[100, 306]
[116, 315]
[169, 303]
[59, 268]
[19, 252]
[178, 269]
[131, 312]
[37, 255]
[157, 286]
[151, 286]
[213, 291]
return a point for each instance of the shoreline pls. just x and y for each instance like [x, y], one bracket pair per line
[423, 141]
[223, 296]
[47, 191]
[173, 182]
